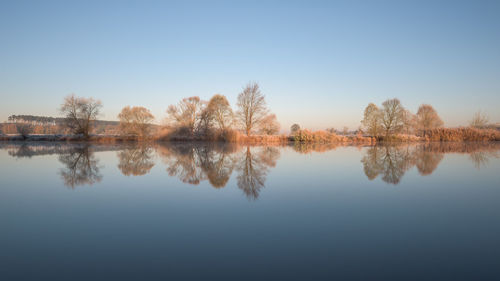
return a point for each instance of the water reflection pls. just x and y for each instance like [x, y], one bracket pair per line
[216, 163]
[81, 167]
[253, 168]
[29, 150]
[393, 161]
[136, 161]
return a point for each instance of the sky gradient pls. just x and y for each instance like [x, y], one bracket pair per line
[319, 63]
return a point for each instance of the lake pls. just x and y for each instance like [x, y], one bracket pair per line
[234, 212]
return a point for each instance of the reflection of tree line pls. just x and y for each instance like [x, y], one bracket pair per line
[393, 161]
[215, 163]
[28, 150]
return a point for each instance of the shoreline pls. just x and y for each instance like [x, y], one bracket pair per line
[252, 140]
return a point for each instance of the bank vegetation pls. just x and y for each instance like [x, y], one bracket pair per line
[251, 121]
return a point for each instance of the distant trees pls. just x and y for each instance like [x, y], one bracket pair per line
[294, 129]
[35, 119]
[80, 113]
[252, 107]
[427, 118]
[269, 125]
[479, 120]
[135, 121]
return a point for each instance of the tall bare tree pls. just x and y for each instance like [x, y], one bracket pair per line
[372, 121]
[80, 113]
[479, 120]
[135, 121]
[269, 125]
[220, 110]
[393, 114]
[427, 118]
[252, 107]
[186, 113]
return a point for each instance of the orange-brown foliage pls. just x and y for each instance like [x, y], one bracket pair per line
[462, 134]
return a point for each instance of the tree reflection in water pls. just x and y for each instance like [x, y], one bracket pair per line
[136, 161]
[253, 168]
[216, 162]
[81, 167]
[390, 161]
[393, 161]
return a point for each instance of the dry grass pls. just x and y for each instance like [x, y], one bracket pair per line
[302, 136]
[184, 134]
[462, 134]
[306, 136]
[402, 138]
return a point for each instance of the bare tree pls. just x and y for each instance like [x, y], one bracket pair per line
[392, 117]
[186, 113]
[269, 125]
[135, 121]
[409, 122]
[427, 118]
[294, 128]
[479, 120]
[252, 107]
[80, 113]
[220, 110]
[372, 121]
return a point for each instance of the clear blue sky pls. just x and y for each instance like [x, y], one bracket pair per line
[319, 63]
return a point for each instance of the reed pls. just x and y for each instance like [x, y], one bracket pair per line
[462, 134]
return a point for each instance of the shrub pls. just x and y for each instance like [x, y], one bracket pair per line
[318, 136]
[24, 129]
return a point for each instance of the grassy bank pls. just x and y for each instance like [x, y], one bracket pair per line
[300, 137]
[462, 134]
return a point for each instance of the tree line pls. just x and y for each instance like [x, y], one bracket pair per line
[191, 116]
[194, 117]
[393, 118]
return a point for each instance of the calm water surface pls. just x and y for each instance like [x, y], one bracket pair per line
[221, 212]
